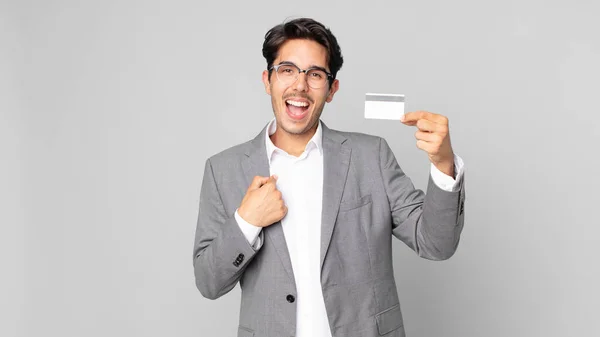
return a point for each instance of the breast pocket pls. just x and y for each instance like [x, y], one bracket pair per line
[355, 203]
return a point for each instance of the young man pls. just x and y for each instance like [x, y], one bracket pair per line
[302, 216]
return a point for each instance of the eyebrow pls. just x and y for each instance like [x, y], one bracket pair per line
[313, 66]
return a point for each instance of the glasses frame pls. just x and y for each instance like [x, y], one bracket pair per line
[300, 70]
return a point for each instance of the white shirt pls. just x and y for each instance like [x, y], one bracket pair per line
[300, 180]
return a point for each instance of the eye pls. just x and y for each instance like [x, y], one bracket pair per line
[317, 74]
[286, 69]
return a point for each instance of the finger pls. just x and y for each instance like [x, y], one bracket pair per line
[425, 146]
[270, 182]
[411, 118]
[428, 137]
[272, 179]
[429, 126]
[257, 182]
[284, 210]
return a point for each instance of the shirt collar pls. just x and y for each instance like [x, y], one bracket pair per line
[316, 140]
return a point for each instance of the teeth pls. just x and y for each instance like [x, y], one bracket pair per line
[298, 104]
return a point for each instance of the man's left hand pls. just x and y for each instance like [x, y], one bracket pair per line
[433, 137]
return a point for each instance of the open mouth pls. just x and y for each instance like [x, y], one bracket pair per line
[297, 108]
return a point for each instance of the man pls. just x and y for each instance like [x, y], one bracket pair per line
[302, 216]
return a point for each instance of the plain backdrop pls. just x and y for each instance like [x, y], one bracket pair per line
[110, 108]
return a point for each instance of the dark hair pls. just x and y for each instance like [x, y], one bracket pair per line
[303, 28]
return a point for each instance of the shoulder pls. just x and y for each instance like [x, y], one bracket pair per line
[366, 148]
[359, 140]
[231, 155]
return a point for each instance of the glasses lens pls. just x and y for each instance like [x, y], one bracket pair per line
[316, 78]
[287, 73]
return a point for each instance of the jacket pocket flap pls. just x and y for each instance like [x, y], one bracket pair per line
[245, 332]
[356, 203]
[389, 320]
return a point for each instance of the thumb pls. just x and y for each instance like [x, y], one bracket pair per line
[257, 182]
[271, 180]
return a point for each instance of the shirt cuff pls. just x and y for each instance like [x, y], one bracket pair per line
[250, 232]
[446, 182]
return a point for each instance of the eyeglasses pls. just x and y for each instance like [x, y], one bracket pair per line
[287, 73]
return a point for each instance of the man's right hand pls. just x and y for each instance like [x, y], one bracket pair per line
[262, 205]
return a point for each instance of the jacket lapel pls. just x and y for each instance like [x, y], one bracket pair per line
[336, 160]
[255, 164]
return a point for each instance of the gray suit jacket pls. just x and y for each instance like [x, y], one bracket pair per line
[367, 199]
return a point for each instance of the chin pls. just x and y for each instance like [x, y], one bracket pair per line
[298, 127]
[294, 128]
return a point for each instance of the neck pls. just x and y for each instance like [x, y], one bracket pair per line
[292, 143]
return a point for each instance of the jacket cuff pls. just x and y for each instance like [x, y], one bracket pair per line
[444, 181]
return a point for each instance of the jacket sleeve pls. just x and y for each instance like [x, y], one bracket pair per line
[429, 223]
[221, 251]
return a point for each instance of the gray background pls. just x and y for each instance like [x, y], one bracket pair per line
[110, 108]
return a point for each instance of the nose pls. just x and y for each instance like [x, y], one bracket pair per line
[300, 84]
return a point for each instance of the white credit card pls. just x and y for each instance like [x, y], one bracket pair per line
[384, 106]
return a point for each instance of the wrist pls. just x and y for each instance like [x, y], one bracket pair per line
[246, 217]
[446, 167]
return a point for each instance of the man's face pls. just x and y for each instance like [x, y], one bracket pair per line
[297, 106]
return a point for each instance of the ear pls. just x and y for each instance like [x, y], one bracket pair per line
[334, 88]
[265, 79]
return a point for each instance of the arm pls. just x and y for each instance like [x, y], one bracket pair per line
[430, 223]
[221, 251]
[446, 182]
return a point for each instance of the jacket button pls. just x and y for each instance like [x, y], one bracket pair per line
[290, 298]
